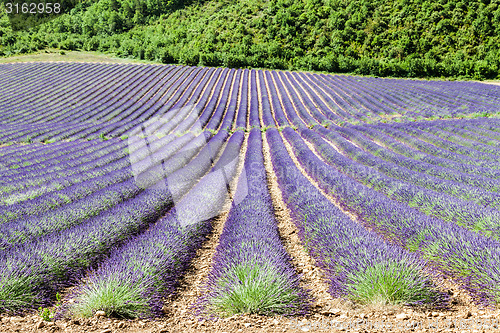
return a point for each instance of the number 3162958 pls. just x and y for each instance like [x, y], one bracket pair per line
[33, 8]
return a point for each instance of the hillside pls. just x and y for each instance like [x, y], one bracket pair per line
[405, 38]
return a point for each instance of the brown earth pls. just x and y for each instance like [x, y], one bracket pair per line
[329, 316]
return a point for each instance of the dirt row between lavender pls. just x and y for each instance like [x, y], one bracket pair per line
[327, 314]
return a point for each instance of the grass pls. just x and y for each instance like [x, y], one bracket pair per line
[77, 56]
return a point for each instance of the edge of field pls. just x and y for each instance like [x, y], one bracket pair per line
[53, 54]
[76, 56]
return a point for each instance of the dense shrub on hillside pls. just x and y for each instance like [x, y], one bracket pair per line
[414, 38]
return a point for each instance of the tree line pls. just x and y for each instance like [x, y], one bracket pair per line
[403, 38]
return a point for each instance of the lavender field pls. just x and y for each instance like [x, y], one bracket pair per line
[112, 175]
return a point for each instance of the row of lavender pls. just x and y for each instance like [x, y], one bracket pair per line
[459, 252]
[65, 177]
[396, 170]
[103, 100]
[251, 270]
[429, 187]
[70, 223]
[399, 181]
[46, 252]
[414, 275]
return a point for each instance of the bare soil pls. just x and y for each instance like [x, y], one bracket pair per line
[460, 318]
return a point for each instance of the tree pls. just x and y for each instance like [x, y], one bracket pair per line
[5, 26]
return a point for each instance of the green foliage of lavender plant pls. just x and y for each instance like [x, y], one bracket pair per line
[253, 288]
[114, 297]
[391, 284]
[15, 294]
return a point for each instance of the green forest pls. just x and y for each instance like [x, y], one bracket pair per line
[400, 38]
